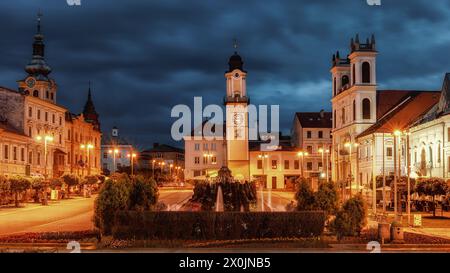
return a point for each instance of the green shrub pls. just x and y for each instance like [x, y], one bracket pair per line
[305, 196]
[351, 218]
[5, 187]
[143, 194]
[113, 196]
[216, 226]
[327, 198]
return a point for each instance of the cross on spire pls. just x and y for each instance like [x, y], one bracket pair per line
[235, 44]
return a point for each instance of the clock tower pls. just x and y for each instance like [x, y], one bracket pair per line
[37, 83]
[236, 102]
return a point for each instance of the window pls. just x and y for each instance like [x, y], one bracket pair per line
[60, 120]
[274, 164]
[320, 134]
[345, 80]
[343, 115]
[365, 72]
[197, 146]
[53, 118]
[354, 110]
[35, 93]
[320, 166]
[22, 154]
[197, 173]
[309, 149]
[213, 146]
[366, 108]
[39, 114]
[30, 112]
[14, 153]
[213, 160]
[47, 95]
[259, 164]
[60, 139]
[6, 152]
[296, 164]
[308, 134]
[286, 164]
[205, 146]
[205, 160]
[309, 166]
[39, 158]
[52, 97]
[46, 116]
[105, 155]
[353, 74]
[30, 158]
[389, 151]
[196, 160]
[69, 158]
[30, 132]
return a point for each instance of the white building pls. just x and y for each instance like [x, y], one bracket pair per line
[115, 152]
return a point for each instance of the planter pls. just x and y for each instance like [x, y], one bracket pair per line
[397, 236]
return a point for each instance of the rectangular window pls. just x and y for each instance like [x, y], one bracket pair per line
[309, 166]
[205, 160]
[389, 151]
[14, 153]
[308, 134]
[39, 158]
[69, 158]
[30, 112]
[53, 118]
[259, 164]
[39, 114]
[6, 152]
[286, 164]
[46, 116]
[274, 164]
[105, 155]
[213, 146]
[60, 120]
[22, 154]
[320, 166]
[296, 164]
[30, 158]
[197, 146]
[30, 132]
[213, 160]
[197, 173]
[309, 149]
[320, 134]
[197, 160]
[205, 146]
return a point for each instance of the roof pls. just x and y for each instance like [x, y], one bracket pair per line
[10, 129]
[110, 140]
[163, 148]
[399, 109]
[314, 119]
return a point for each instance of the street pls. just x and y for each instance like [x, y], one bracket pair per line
[67, 215]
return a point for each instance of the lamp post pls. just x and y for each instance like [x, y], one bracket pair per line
[132, 156]
[301, 155]
[153, 168]
[408, 178]
[47, 139]
[321, 151]
[88, 147]
[170, 169]
[263, 159]
[397, 134]
[327, 151]
[114, 152]
[349, 145]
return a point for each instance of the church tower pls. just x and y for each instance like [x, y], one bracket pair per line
[236, 102]
[38, 83]
[354, 94]
[89, 112]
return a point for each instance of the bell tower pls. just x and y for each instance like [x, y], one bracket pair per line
[37, 82]
[236, 103]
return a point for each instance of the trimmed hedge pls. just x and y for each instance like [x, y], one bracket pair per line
[167, 225]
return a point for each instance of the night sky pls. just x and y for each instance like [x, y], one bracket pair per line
[144, 57]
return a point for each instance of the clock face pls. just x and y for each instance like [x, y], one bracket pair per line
[236, 75]
[31, 82]
[238, 119]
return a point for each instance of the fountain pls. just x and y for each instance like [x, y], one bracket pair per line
[219, 199]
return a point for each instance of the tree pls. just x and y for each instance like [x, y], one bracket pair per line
[40, 186]
[326, 198]
[305, 196]
[70, 180]
[143, 194]
[432, 187]
[18, 185]
[351, 218]
[113, 197]
[4, 189]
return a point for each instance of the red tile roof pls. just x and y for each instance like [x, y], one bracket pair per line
[314, 119]
[398, 109]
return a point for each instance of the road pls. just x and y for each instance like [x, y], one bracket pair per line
[67, 215]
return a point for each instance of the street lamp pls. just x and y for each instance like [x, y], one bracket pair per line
[349, 145]
[132, 156]
[301, 155]
[322, 151]
[263, 160]
[397, 134]
[47, 139]
[327, 151]
[88, 147]
[114, 152]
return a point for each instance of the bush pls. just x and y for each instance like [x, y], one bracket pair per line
[5, 188]
[90, 180]
[18, 185]
[351, 218]
[70, 180]
[113, 196]
[144, 194]
[432, 187]
[217, 226]
[326, 198]
[56, 183]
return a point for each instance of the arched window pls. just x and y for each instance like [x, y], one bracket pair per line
[366, 109]
[343, 115]
[354, 110]
[354, 74]
[431, 155]
[345, 80]
[35, 93]
[365, 70]
[335, 86]
[423, 163]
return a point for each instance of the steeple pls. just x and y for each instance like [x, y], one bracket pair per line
[89, 112]
[38, 67]
[235, 61]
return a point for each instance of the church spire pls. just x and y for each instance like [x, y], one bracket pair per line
[235, 61]
[89, 112]
[38, 67]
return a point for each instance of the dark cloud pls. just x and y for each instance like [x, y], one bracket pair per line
[144, 57]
